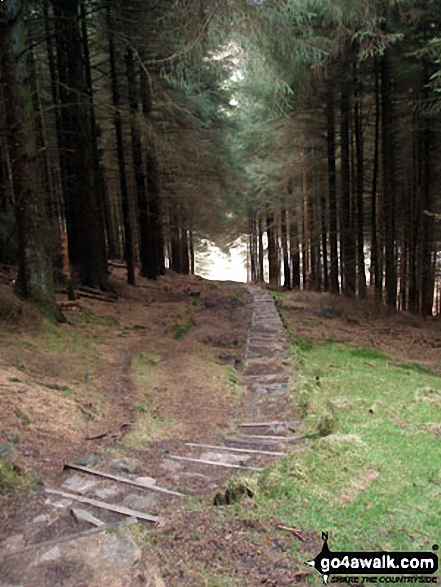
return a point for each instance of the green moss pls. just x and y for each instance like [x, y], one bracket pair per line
[13, 480]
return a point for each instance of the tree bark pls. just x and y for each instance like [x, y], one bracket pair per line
[375, 225]
[274, 271]
[85, 232]
[332, 201]
[117, 120]
[346, 229]
[359, 151]
[146, 256]
[285, 251]
[35, 277]
[154, 204]
[261, 255]
[389, 205]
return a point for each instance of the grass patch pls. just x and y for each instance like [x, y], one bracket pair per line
[181, 325]
[233, 380]
[149, 424]
[22, 417]
[13, 480]
[278, 294]
[142, 370]
[371, 473]
[236, 298]
[86, 316]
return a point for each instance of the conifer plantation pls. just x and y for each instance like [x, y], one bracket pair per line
[132, 130]
[220, 292]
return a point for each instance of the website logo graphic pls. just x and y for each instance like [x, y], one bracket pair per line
[372, 563]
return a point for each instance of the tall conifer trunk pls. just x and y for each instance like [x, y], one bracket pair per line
[156, 261]
[389, 206]
[285, 251]
[35, 278]
[261, 254]
[117, 121]
[347, 238]
[332, 187]
[358, 129]
[85, 230]
[375, 225]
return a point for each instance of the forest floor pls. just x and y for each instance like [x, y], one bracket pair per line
[134, 379]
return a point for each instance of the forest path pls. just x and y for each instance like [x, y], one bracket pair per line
[149, 488]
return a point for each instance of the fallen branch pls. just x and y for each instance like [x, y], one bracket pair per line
[117, 264]
[292, 531]
[98, 297]
[68, 304]
[97, 436]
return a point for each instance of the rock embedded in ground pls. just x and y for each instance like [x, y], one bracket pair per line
[77, 484]
[108, 492]
[7, 452]
[58, 503]
[90, 460]
[124, 466]
[84, 516]
[52, 555]
[104, 559]
[142, 503]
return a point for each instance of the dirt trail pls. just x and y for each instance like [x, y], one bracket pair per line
[47, 544]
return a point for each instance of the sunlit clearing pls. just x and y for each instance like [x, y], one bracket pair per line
[212, 263]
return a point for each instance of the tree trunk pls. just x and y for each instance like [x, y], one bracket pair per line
[375, 225]
[191, 252]
[155, 214]
[285, 251]
[148, 262]
[346, 229]
[35, 278]
[253, 246]
[274, 270]
[154, 205]
[428, 250]
[332, 182]
[324, 240]
[306, 226]
[100, 187]
[358, 118]
[86, 241]
[389, 207]
[117, 120]
[315, 227]
[294, 247]
[261, 255]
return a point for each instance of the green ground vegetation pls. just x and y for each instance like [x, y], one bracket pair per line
[149, 424]
[370, 470]
[15, 480]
